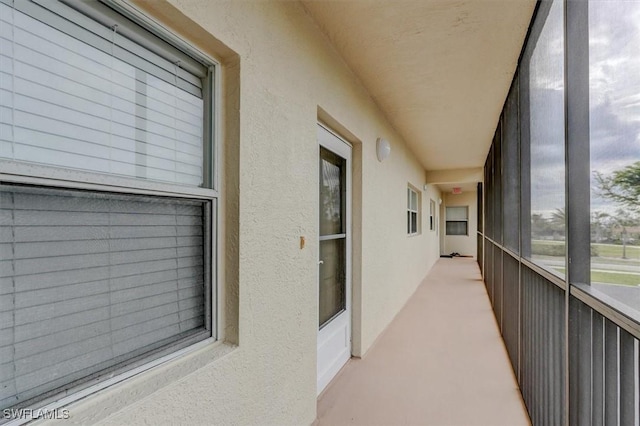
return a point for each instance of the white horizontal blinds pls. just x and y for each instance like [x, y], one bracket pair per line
[72, 96]
[412, 200]
[457, 217]
[412, 211]
[89, 280]
[457, 213]
[457, 228]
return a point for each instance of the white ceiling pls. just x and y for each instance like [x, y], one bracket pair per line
[440, 70]
[464, 186]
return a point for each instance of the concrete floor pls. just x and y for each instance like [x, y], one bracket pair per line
[440, 362]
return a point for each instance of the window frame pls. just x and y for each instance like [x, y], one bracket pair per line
[42, 174]
[55, 177]
[447, 221]
[527, 143]
[577, 311]
[410, 212]
[432, 214]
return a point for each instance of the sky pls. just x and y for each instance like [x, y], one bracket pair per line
[614, 80]
[614, 100]
[546, 109]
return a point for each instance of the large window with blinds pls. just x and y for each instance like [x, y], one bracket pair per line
[107, 196]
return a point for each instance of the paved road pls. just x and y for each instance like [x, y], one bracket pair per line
[633, 268]
[628, 295]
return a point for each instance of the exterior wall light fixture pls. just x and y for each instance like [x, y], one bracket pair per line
[383, 149]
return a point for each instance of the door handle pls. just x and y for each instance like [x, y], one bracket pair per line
[320, 262]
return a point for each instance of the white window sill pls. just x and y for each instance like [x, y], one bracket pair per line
[98, 402]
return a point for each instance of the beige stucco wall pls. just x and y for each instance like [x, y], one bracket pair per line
[280, 72]
[465, 245]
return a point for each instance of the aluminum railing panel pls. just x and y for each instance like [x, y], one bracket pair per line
[542, 348]
[610, 373]
[628, 376]
[597, 381]
[497, 284]
[510, 323]
[604, 361]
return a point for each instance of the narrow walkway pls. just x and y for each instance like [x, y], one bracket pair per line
[440, 362]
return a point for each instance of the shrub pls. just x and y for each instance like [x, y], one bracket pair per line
[543, 248]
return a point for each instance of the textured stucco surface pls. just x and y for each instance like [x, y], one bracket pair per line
[440, 69]
[285, 71]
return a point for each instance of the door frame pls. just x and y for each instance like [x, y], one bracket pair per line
[338, 145]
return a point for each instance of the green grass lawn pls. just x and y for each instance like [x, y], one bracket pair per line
[612, 277]
[612, 251]
[614, 261]
[609, 256]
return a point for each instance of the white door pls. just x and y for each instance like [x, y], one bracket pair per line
[334, 263]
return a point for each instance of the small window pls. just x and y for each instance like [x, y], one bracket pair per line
[432, 215]
[457, 220]
[413, 211]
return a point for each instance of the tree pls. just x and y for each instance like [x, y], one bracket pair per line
[624, 220]
[559, 219]
[622, 186]
[599, 224]
[540, 226]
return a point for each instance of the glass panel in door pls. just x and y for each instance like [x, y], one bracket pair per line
[332, 291]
